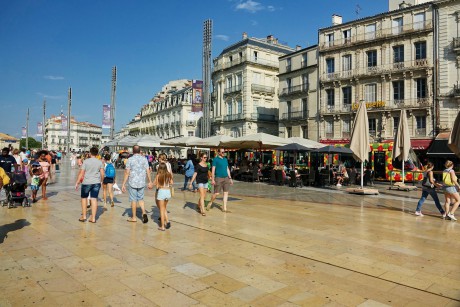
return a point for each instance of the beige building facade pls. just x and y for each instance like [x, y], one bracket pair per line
[83, 135]
[245, 87]
[385, 61]
[298, 103]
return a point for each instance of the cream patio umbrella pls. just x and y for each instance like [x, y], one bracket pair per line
[256, 141]
[359, 143]
[214, 141]
[185, 141]
[402, 144]
[454, 138]
[148, 140]
[305, 142]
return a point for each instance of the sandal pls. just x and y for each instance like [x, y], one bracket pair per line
[161, 229]
[82, 220]
[131, 220]
[203, 214]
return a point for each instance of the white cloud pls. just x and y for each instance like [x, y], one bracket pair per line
[53, 77]
[250, 6]
[222, 37]
[254, 23]
[271, 8]
[50, 96]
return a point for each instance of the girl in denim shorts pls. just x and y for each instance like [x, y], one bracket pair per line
[163, 182]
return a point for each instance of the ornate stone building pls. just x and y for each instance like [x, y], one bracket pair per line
[298, 94]
[385, 61]
[245, 87]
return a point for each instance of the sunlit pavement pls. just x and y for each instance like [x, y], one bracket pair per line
[279, 246]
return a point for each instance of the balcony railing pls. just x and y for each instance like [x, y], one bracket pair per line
[420, 132]
[329, 135]
[456, 90]
[233, 117]
[294, 115]
[376, 70]
[303, 88]
[379, 34]
[263, 117]
[456, 43]
[236, 88]
[253, 60]
[372, 133]
[262, 88]
[345, 135]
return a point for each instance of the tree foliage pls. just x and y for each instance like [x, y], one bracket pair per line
[33, 143]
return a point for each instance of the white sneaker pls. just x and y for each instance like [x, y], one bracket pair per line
[452, 217]
[418, 213]
[339, 185]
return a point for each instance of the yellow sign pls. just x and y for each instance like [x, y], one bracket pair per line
[375, 104]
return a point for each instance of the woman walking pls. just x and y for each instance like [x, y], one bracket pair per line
[201, 176]
[109, 180]
[450, 189]
[163, 181]
[45, 172]
[429, 186]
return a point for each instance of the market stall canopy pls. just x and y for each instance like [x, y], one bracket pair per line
[454, 138]
[185, 141]
[334, 149]
[293, 147]
[148, 140]
[256, 141]
[128, 140]
[305, 142]
[214, 141]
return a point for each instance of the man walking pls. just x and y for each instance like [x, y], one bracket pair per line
[90, 176]
[136, 169]
[221, 178]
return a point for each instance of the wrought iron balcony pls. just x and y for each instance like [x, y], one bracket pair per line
[456, 43]
[376, 70]
[420, 132]
[379, 34]
[236, 88]
[303, 88]
[456, 90]
[233, 117]
[262, 88]
[295, 115]
[263, 117]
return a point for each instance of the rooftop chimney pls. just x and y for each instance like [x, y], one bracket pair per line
[403, 5]
[298, 47]
[270, 38]
[245, 35]
[336, 20]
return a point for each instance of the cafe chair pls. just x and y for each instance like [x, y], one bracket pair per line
[295, 181]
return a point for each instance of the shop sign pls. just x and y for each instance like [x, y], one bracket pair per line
[369, 105]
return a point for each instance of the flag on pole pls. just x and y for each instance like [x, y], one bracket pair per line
[39, 129]
[106, 116]
[63, 122]
[24, 133]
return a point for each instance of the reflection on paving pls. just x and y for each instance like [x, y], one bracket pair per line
[279, 247]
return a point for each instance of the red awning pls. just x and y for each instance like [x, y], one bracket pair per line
[421, 144]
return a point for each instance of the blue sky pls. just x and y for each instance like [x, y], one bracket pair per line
[47, 46]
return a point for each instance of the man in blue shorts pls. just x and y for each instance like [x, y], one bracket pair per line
[221, 178]
[90, 176]
[137, 168]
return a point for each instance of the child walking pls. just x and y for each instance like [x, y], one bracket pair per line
[163, 182]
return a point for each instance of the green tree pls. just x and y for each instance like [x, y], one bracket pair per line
[33, 143]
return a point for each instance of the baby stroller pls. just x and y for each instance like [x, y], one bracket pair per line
[15, 190]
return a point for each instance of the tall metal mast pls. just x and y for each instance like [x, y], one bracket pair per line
[207, 40]
[112, 102]
[44, 125]
[69, 121]
[27, 129]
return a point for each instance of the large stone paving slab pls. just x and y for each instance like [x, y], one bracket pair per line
[280, 246]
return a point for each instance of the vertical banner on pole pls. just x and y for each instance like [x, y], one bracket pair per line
[106, 116]
[63, 122]
[39, 129]
[24, 133]
[197, 96]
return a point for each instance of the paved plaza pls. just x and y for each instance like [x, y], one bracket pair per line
[279, 246]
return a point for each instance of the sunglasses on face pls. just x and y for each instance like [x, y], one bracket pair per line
[205, 157]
